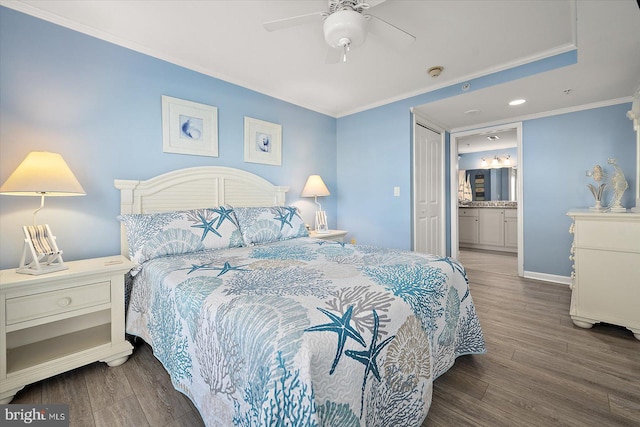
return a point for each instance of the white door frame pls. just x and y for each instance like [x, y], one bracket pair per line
[421, 120]
[453, 146]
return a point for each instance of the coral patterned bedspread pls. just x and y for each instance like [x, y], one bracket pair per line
[306, 332]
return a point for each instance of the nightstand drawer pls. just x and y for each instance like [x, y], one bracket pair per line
[21, 309]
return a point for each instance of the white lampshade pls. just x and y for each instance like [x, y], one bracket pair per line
[315, 187]
[42, 174]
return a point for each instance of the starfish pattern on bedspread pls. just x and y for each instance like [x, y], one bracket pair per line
[341, 326]
[227, 267]
[195, 267]
[368, 357]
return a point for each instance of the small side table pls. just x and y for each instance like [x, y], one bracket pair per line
[55, 322]
[332, 235]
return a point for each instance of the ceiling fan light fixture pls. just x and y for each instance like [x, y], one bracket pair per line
[345, 25]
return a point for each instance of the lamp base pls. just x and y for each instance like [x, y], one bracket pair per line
[40, 243]
[44, 269]
[321, 222]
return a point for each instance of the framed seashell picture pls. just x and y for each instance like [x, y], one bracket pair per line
[262, 142]
[189, 127]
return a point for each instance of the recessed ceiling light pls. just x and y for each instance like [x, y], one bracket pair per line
[472, 111]
[517, 102]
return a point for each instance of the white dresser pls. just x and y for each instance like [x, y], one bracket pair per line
[606, 262]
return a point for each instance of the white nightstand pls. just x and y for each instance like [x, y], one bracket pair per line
[333, 235]
[59, 321]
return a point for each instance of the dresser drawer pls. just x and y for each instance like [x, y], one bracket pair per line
[623, 236]
[29, 307]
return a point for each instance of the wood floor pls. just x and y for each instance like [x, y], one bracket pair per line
[539, 370]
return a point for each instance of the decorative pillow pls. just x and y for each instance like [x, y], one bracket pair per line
[270, 224]
[172, 233]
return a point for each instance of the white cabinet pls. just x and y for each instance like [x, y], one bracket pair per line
[491, 226]
[468, 225]
[606, 277]
[511, 229]
[488, 228]
[56, 322]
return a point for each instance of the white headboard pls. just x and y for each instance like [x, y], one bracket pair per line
[195, 188]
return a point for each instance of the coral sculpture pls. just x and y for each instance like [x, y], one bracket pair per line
[600, 177]
[619, 185]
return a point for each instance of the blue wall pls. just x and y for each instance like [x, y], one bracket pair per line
[374, 155]
[556, 153]
[557, 150]
[99, 106]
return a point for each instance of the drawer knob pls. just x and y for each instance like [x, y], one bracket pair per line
[63, 302]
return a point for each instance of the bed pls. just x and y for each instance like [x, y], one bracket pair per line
[259, 324]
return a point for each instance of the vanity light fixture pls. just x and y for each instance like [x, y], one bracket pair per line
[496, 161]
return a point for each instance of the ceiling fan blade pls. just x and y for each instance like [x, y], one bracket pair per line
[390, 33]
[334, 55]
[294, 21]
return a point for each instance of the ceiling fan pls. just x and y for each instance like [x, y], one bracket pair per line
[346, 26]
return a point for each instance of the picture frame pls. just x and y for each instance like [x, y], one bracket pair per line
[189, 127]
[262, 142]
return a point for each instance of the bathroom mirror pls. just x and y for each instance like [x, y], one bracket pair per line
[497, 184]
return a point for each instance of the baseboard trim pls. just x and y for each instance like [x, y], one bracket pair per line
[553, 278]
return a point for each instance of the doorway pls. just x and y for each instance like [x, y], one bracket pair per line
[429, 207]
[456, 139]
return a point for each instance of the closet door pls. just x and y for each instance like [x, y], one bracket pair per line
[429, 191]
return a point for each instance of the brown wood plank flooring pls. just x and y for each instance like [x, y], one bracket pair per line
[540, 370]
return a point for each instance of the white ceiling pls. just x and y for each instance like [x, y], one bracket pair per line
[507, 138]
[470, 38]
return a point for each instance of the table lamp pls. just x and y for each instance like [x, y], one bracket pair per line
[41, 174]
[315, 187]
